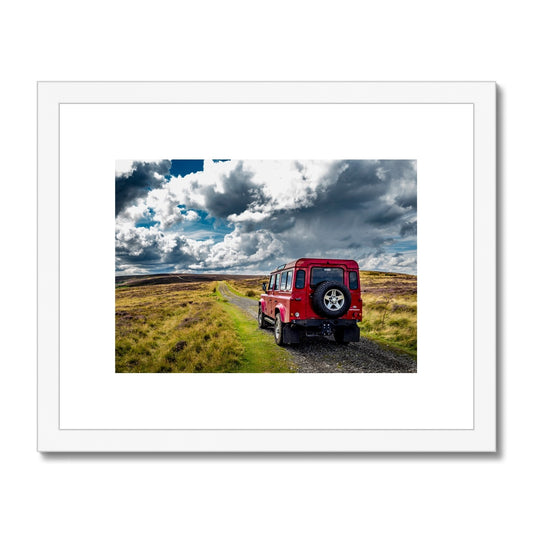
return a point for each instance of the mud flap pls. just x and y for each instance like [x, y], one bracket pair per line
[291, 335]
[352, 334]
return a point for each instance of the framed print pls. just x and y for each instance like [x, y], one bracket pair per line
[266, 266]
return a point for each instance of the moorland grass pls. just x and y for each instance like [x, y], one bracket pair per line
[390, 310]
[186, 327]
[249, 288]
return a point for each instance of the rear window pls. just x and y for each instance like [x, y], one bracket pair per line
[320, 274]
[353, 281]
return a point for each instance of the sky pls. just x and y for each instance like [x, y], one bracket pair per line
[248, 216]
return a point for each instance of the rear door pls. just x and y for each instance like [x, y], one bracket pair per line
[299, 291]
[319, 273]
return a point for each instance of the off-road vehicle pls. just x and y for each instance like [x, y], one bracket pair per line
[310, 297]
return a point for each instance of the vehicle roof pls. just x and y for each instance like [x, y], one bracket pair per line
[307, 261]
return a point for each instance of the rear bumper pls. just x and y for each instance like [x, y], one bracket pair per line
[317, 322]
[316, 326]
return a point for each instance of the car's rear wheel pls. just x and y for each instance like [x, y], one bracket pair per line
[278, 330]
[261, 319]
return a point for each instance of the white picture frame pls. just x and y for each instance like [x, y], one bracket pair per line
[80, 404]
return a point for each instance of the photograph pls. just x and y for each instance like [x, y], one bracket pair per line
[274, 296]
[265, 266]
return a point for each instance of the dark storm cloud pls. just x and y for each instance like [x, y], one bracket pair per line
[178, 256]
[364, 184]
[278, 222]
[150, 253]
[383, 215]
[356, 185]
[147, 255]
[140, 246]
[239, 194]
[136, 184]
[354, 203]
[407, 200]
[358, 211]
[408, 229]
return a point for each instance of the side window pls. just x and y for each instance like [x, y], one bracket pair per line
[353, 281]
[276, 285]
[300, 279]
[288, 286]
[283, 281]
[271, 282]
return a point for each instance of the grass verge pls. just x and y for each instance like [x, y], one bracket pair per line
[260, 355]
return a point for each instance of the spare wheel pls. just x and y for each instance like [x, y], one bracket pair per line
[331, 299]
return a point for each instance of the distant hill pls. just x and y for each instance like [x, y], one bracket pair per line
[165, 279]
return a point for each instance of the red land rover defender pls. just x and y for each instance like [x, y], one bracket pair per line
[310, 297]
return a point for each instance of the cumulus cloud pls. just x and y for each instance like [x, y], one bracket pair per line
[269, 212]
[238, 249]
[137, 180]
[142, 249]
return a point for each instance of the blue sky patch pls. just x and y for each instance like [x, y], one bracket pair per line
[182, 167]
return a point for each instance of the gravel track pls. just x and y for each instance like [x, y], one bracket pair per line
[323, 355]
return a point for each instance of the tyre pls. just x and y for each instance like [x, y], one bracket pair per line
[261, 319]
[278, 330]
[331, 299]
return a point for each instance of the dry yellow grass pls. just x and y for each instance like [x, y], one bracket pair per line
[250, 288]
[390, 309]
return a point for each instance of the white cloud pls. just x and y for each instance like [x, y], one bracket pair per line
[191, 216]
[123, 166]
[276, 211]
[166, 212]
[240, 251]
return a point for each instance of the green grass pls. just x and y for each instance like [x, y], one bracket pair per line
[260, 353]
[231, 287]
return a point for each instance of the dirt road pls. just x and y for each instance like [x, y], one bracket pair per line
[322, 354]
